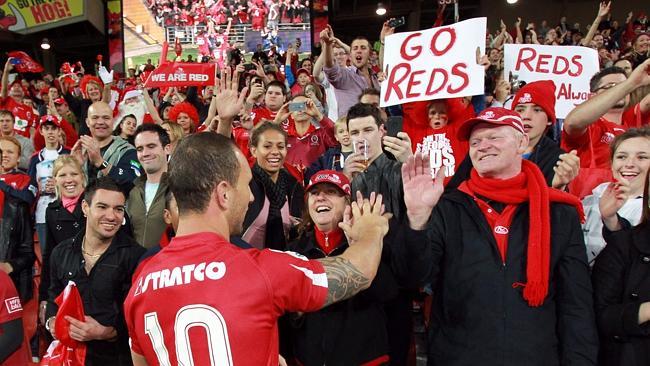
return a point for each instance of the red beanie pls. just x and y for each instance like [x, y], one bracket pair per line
[541, 93]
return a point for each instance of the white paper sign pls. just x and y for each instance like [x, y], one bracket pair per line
[570, 68]
[434, 63]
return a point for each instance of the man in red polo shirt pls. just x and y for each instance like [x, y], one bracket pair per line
[591, 126]
[307, 140]
[275, 95]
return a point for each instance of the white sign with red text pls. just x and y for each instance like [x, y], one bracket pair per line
[434, 63]
[570, 68]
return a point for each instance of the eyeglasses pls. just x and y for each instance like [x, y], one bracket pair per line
[606, 86]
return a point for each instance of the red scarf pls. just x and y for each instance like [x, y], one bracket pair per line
[70, 203]
[328, 241]
[529, 186]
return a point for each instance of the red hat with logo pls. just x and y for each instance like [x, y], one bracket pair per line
[303, 71]
[60, 101]
[496, 116]
[48, 118]
[338, 179]
[541, 93]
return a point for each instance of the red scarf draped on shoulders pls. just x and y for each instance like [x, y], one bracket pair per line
[529, 186]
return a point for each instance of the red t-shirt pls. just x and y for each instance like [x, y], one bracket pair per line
[202, 298]
[304, 150]
[593, 145]
[11, 309]
[24, 116]
[444, 148]
[260, 113]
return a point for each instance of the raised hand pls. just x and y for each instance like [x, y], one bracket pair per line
[604, 9]
[386, 30]
[368, 217]
[566, 169]
[229, 100]
[420, 194]
[399, 146]
[614, 197]
[107, 77]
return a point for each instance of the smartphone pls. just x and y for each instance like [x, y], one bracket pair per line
[248, 67]
[14, 61]
[397, 22]
[297, 106]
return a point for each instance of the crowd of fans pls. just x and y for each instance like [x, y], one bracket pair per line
[536, 253]
[257, 13]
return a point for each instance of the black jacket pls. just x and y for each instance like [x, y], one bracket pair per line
[351, 332]
[383, 176]
[102, 291]
[330, 160]
[17, 244]
[478, 316]
[545, 156]
[621, 278]
[62, 225]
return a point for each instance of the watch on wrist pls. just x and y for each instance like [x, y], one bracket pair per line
[103, 165]
[47, 324]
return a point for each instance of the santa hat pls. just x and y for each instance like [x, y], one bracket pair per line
[541, 93]
[131, 93]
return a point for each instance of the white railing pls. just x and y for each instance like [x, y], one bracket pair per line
[187, 35]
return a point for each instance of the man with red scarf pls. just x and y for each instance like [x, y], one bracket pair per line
[504, 254]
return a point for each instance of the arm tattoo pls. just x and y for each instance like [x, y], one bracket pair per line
[343, 279]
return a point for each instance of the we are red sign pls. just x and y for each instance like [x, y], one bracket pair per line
[434, 63]
[182, 74]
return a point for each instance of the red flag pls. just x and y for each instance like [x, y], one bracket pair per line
[65, 351]
[163, 52]
[24, 63]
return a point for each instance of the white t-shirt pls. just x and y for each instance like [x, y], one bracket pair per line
[43, 172]
[150, 190]
[593, 226]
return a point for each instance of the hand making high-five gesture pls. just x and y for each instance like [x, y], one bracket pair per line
[420, 194]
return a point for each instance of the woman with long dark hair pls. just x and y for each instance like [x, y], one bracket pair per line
[621, 281]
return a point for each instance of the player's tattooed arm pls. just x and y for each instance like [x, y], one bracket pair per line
[344, 280]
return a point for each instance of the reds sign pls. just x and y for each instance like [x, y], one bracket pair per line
[434, 63]
[570, 68]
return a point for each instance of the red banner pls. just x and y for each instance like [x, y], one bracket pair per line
[24, 63]
[182, 74]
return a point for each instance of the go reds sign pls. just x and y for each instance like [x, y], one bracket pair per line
[434, 63]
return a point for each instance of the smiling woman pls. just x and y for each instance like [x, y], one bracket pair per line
[623, 198]
[352, 332]
[278, 195]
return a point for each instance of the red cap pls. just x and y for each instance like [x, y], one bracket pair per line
[60, 101]
[541, 93]
[338, 179]
[48, 118]
[497, 116]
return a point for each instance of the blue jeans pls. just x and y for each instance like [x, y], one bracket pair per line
[41, 232]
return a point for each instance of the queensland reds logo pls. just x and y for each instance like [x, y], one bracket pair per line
[328, 177]
[526, 98]
[314, 140]
[607, 138]
[488, 115]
